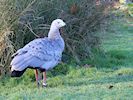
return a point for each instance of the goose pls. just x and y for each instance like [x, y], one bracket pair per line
[40, 54]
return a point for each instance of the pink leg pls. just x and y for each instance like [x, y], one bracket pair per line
[36, 76]
[44, 79]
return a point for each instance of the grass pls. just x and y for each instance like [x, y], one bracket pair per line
[80, 84]
[84, 83]
[119, 45]
[113, 83]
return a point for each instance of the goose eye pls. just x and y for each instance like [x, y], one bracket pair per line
[58, 22]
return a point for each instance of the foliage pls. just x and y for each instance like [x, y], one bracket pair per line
[84, 82]
[23, 20]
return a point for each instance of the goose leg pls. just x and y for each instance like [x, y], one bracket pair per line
[36, 76]
[44, 79]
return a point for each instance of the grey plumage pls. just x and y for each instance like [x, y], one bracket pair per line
[44, 52]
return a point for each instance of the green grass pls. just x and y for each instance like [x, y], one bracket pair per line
[84, 83]
[114, 83]
[104, 83]
[118, 44]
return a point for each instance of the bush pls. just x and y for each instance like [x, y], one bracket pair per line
[23, 20]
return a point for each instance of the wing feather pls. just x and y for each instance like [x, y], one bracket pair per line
[44, 49]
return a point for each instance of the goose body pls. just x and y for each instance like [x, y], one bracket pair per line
[42, 53]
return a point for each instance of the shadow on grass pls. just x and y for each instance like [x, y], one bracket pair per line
[105, 80]
[113, 59]
[116, 79]
[121, 58]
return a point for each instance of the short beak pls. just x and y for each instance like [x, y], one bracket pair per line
[61, 29]
[64, 24]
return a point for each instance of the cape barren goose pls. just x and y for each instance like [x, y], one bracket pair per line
[42, 53]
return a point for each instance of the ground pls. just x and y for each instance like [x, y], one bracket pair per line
[81, 84]
[113, 83]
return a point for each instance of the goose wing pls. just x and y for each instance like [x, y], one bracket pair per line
[44, 49]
